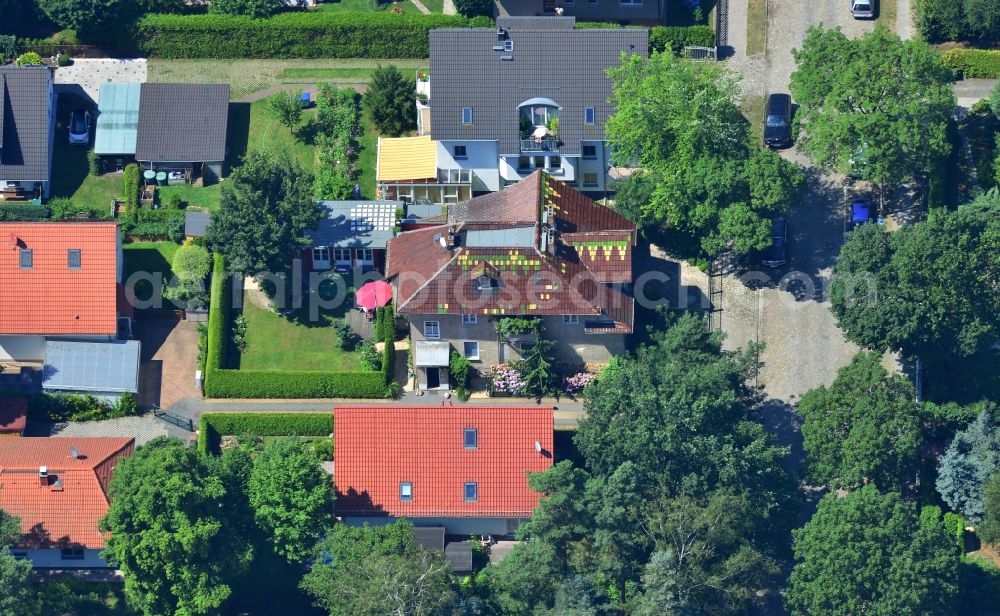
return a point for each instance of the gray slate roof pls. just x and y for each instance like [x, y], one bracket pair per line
[99, 367]
[565, 65]
[182, 122]
[24, 123]
[356, 224]
[196, 223]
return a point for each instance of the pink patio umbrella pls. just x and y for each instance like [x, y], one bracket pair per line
[374, 294]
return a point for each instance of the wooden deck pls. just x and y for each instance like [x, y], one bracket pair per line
[361, 325]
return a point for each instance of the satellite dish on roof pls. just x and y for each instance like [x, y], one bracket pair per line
[74, 452]
[538, 447]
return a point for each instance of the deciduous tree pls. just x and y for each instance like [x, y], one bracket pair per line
[266, 210]
[703, 177]
[170, 532]
[390, 101]
[93, 20]
[875, 106]
[989, 528]
[292, 497]
[928, 289]
[287, 108]
[864, 428]
[869, 553]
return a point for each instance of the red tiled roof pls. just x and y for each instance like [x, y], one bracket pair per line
[377, 448]
[13, 415]
[593, 248]
[51, 517]
[50, 298]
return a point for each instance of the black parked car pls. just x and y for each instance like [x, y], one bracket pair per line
[778, 121]
[776, 255]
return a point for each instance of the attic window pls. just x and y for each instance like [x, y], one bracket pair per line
[71, 553]
[471, 492]
[466, 115]
[508, 45]
[484, 283]
[588, 115]
[73, 258]
[470, 438]
[25, 256]
[406, 491]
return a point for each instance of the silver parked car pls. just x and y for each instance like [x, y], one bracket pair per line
[79, 127]
[863, 9]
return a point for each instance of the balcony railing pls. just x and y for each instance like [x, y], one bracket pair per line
[545, 144]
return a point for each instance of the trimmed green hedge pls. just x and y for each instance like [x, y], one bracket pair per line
[973, 63]
[223, 383]
[295, 384]
[676, 38]
[24, 211]
[294, 35]
[214, 425]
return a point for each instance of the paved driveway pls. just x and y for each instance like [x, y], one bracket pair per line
[169, 361]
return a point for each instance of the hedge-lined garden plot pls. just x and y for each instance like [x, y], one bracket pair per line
[214, 426]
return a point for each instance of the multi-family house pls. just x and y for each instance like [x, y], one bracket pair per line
[463, 469]
[531, 94]
[27, 132]
[537, 249]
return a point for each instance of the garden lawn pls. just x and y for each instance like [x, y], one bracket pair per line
[267, 131]
[151, 257]
[71, 177]
[368, 148]
[275, 342]
[367, 6]
[245, 77]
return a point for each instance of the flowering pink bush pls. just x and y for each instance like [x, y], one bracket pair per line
[506, 379]
[574, 384]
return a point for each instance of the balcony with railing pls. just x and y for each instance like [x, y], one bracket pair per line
[538, 124]
[547, 144]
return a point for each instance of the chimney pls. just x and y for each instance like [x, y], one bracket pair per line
[43, 476]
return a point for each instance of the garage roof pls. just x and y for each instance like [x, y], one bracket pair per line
[117, 118]
[98, 367]
[182, 122]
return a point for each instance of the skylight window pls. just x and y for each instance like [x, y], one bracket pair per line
[471, 438]
[471, 492]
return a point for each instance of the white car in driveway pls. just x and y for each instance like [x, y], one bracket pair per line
[862, 9]
[79, 127]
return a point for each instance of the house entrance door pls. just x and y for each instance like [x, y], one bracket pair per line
[433, 378]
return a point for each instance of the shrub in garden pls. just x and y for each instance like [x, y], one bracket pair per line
[389, 100]
[675, 38]
[973, 63]
[336, 141]
[506, 379]
[29, 58]
[475, 8]
[132, 193]
[8, 48]
[368, 356]
[156, 224]
[286, 107]
[575, 383]
[250, 8]
[63, 60]
[191, 266]
[93, 163]
[460, 370]
[346, 338]
[240, 333]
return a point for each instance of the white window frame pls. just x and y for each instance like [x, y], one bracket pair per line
[591, 112]
[319, 252]
[470, 319]
[432, 330]
[364, 255]
[465, 350]
[467, 113]
[571, 319]
[341, 255]
[463, 156]
[406, 491]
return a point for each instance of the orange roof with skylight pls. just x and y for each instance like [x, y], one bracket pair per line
[45, 292]
[381, 448]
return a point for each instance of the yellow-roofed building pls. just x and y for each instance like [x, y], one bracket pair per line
[406, 169]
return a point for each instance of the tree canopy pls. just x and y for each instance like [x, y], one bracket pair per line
[378, 570]
[92, 19]
[171, 532]
[864, 428]
[926, 289]
[389, 101]
[266, 209]
[292, 497]
[702, 177]
[972, 457]
[875, 106]
[869, 553]
[989, 528]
